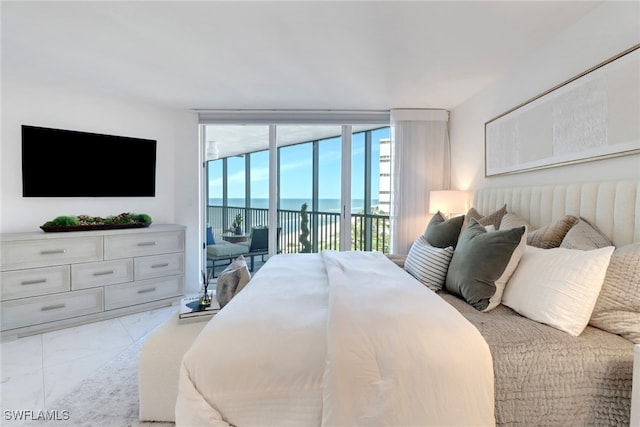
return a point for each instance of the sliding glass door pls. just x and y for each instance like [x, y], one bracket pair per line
[311, 175]
[236, 177]
[370, 190]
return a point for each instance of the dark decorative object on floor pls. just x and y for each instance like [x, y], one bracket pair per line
[85, 222]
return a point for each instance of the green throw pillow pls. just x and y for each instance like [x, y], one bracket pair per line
[479, 260]
[441, 232]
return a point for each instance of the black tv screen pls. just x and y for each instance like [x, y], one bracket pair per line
[66, 163]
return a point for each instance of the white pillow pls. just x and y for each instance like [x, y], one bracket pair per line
[501, 282]
[558, 287]
[428, 264]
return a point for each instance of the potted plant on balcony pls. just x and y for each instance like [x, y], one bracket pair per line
[236, 224]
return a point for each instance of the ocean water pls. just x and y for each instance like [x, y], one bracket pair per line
[325, 205]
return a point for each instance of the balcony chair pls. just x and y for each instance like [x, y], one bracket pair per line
[258, 245]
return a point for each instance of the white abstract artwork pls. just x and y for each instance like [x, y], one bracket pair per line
[594, 115]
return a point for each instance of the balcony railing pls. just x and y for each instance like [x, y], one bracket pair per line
[369, 232]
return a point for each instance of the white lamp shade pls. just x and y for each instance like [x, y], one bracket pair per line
[448, 201]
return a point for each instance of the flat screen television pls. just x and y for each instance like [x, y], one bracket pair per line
[66, 163]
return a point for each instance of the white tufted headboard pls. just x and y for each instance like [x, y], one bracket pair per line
[612, 206]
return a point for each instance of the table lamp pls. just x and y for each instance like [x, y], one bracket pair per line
[448, 202]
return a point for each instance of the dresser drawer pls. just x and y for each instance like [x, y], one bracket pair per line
[126, 294]
[92, 274]
[35, 281]
[158, 266]
[48, 252]
[36, 310]
[142, 244]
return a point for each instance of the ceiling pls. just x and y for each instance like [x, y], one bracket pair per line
[236, 55]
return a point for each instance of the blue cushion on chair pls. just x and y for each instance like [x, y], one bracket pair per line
[210, 239]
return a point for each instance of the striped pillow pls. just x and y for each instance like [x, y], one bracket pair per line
[428, 264]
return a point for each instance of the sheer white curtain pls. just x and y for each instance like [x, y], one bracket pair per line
[419, 164]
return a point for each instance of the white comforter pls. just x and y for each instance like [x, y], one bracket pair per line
[336, 339]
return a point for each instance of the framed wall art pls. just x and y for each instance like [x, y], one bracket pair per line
[592, 116]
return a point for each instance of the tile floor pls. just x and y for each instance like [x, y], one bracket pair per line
[37, 370]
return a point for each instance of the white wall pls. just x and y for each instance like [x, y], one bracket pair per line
[605, 32]
[177, 180]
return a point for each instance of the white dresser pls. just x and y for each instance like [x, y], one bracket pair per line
[55, 280]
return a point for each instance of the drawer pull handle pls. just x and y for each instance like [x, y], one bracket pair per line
[164, 264]
[52, 307]
[52, 252]
[146, 291]
[103, 273]
[147, 244]
[33, 282]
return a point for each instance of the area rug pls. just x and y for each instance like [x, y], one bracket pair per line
[108, 399]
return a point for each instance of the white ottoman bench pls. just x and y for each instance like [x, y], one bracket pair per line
[159, 368]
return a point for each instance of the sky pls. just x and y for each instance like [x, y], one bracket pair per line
[296, 170]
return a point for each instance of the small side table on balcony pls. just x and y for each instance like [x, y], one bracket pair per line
[235, 238]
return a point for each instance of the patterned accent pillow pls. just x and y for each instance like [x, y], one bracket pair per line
[584, 236]
[618, 307]
[492, 219]
[428, 264]
[232, 280]
[441, 232]
[550, 236]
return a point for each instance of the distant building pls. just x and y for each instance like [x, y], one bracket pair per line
[384, 196]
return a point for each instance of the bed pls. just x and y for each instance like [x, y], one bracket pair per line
[351, 339]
